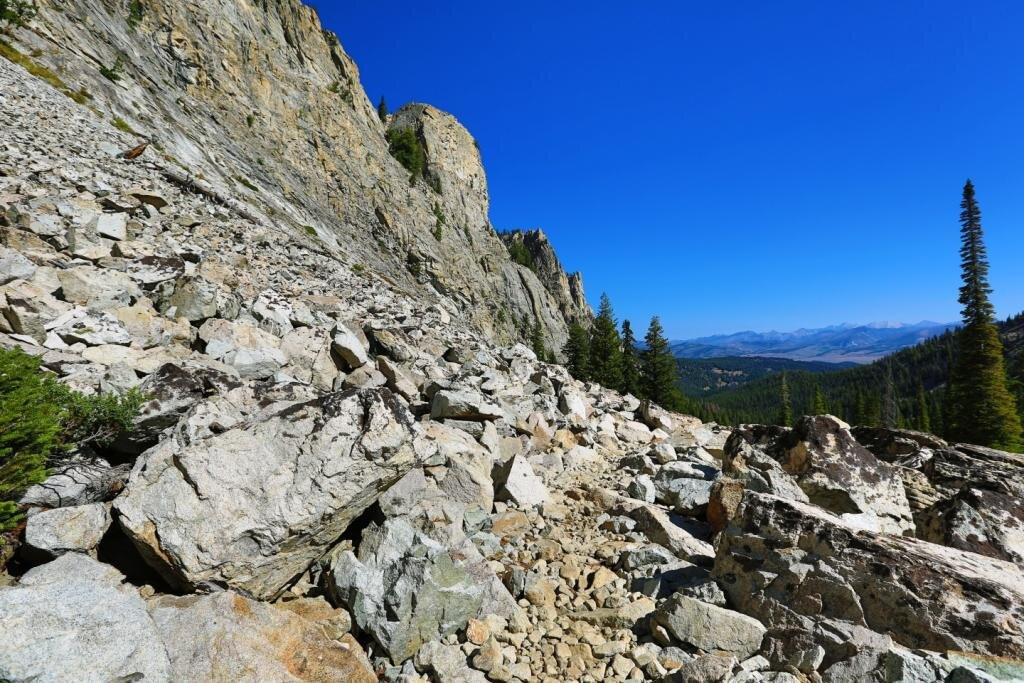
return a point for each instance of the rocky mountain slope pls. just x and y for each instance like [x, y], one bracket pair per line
[261, 103]
[339, 477]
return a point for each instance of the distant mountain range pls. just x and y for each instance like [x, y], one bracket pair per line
[846, 343]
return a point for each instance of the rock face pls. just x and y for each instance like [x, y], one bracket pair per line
[253, 506]
[72, 619]
[567, 289]
[796, 566]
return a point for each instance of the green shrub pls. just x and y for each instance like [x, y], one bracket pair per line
[405, 146]
[40, 418]
[249, 120]
[113, 73]
[17, 12]
[135, 12]
[519, 253]
[123, 126]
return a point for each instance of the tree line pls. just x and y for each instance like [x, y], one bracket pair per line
[609, 355]
[963, 385]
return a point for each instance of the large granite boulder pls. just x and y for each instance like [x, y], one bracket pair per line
[831, 468]
[68, 529]
[406, 589]
[228, 637]
[793, 565]
[75, 620]
[251, 505]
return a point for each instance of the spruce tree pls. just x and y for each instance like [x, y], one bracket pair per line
[982, 410]
[382, 109]
[658, 369]
[818, 406]
[630, 362]
[537, 341]
[890, 408]
[786, 413]
[606, 347]
[577, 352]
[922, 421]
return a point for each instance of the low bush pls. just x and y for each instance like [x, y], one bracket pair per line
[405, 146]
[41, 418]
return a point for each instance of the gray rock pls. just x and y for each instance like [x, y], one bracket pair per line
[447, 664]
[641, 488]
[796, 566]
[254, 504]
[14, 266]
[73, 620]
[80, 480]
[521, 485]
[463, 404]
[112, 225]
[349, 347]
[228, 637]
[55, 532]
[404, 588]
[709, 627]
[94, 328]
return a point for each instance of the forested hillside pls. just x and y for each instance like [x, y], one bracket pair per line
[907, 386]
[705, 376]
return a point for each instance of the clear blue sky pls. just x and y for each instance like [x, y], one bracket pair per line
[729, 166]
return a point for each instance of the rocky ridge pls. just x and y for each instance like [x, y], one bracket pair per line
[336, 479]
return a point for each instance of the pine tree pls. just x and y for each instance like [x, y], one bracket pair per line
[982, 410]
[382, 109]
[818, 406]
[658, 369]
[922, 420]
[630, 362]
[786, 413]
[606, 347]
[537, 341]
[577, 352]
[890, 408]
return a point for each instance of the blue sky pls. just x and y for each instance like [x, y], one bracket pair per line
[730, 166]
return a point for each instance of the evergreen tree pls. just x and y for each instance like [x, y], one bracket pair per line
[382, 109]
[630, 362]
[537, 341]
[606, 347]
[922, 420]
[982, 410]
[818, 406]
[890, 408]
[577, 352]
[786, 414]
[658, 370]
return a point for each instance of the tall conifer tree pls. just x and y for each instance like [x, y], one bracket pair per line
[630, 362]
[818, 406]
[658, 369]
[982, 410]
[606, 347]
[786, 412]
[922, 421]
[577, 352]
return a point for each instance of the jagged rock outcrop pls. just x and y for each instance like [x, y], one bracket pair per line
[796, 566]
[271, 114]
[567, 288]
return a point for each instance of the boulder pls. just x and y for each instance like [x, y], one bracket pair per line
[254, 353]
[80, 480]
[73, 619]
[463, 404]
[14, 266]
[228, 637]
[251, 505]
[404, 588]
[521, 485]
[350, 347]
[90, 327]
[796, 566]
[79, 529]
[99, 288]
[708, 627]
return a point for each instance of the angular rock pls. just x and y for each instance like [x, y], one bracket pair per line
[74, 620]
[709, 627]
[463, 404]
[68, 529]
[227, 637]
[253, 506]
[349, 347]
[253, 352]
[793, 565]
[404, 589]
[14, 266]
[521, 485]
